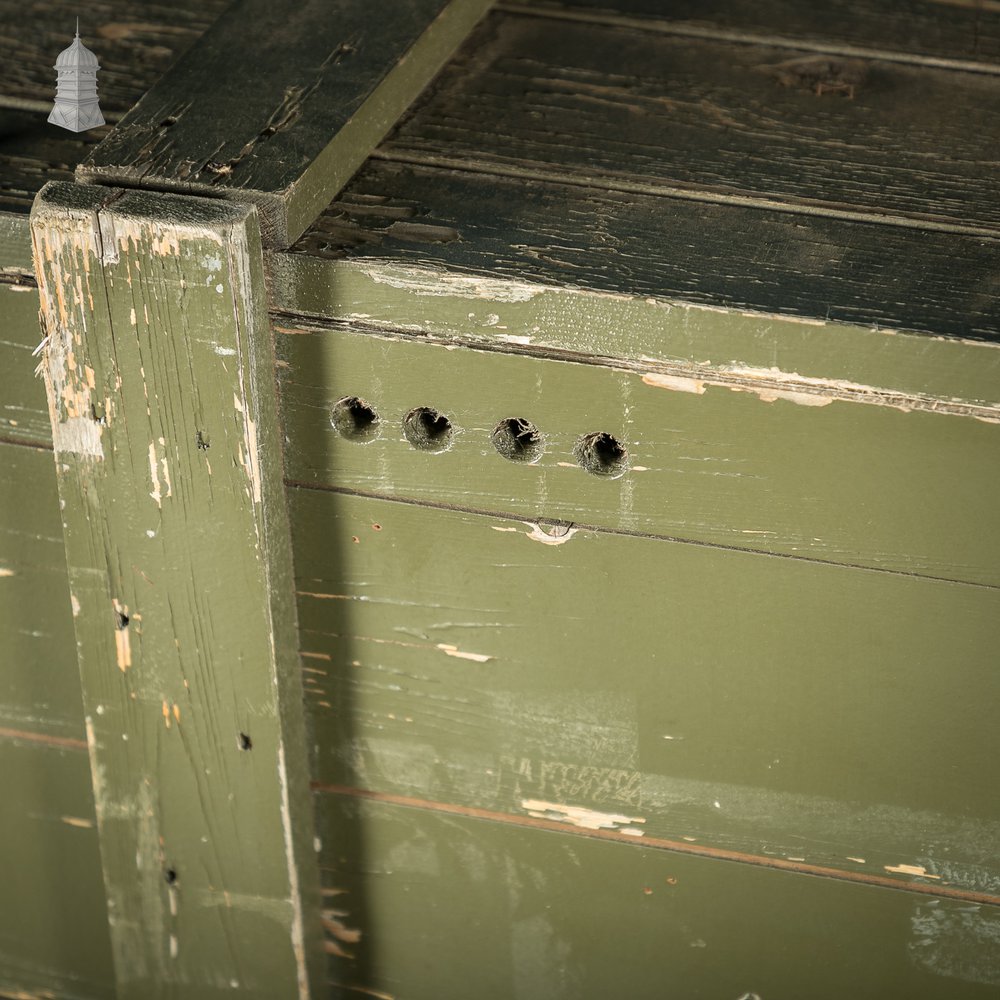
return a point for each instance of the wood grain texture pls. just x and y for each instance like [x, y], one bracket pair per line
[165, 429]
[134, 42]
[611, 107]
[328, 84]
[15, 248]
[757, 468]
[949, 32]
[549, 916]
[718, 699]
[39, 680]
[54, 922]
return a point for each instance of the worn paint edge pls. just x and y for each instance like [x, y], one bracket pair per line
[677, 846]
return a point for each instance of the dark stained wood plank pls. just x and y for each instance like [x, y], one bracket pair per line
[757, 468]
[933, 31]
[54, 924]
[327, 84]
[624, 275]
[429, 903]
[612, 106]
[134, 42]
[159, 369]
[715, 699]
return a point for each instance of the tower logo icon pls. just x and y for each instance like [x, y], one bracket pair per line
[76, 106]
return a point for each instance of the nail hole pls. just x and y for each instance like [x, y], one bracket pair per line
[245, 742]
[201, 441]
[168, 121]
[601, 454]
[121, 620]
[427, 429]
[97, 413]
[171, 876]
[517, 439]
[354, 419]
[376, 527]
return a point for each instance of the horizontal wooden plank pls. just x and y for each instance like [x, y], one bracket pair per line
[327, 86]
[422, 904]
[54, 924]
[15, 247]
[24, 414]
[932, 31]
[502, 260]
[135, 43]
[759, 468]
[771, 707]
[39, 682]
[613, 106]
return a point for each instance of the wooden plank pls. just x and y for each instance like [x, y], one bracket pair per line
[619, 108]
[508, 262]
[135, 44]
[165, 427]
[15, 248]
[54, 926]
[24, 415]
[39, 683]
[717, 700]
[327, 86]
[935, 32]
[432, 902]
[757, 468]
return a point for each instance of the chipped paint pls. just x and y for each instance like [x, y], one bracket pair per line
[539, 534]
[77, 821]
[456, 652]
[957, 941]
[250, 459]
[586, 819]
[123, 645]
[423, 281]
[917, 870]
[679, 383]
[4, 571]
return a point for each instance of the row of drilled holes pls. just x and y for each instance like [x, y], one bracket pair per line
[514, 438]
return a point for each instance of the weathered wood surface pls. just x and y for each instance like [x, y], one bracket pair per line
[24, 415]
[134, 42]
[757, 468]
[650, 112]
[942, 32]
[39, 680]
[503, 262]
[328, 83]
[775, 709]
[165, 433]
[443, 901]
[53, 921]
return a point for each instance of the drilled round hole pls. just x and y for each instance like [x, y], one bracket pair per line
[601, 454]
[518, 440]
[354, 419]
[427, 429]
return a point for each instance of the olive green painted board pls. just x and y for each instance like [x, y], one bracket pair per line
[53, 921]
[15, 247]
[619, 108]
[540, 265]
[328, 82]
[798, 475]
[924, 31]
[165, 430]
[39, 680]
[802, 714]
[442, 902]
[24, 415]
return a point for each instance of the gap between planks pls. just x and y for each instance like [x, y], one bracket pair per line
[605, 530]
[687, 30]
[616, 182]
[658, 843]
[58, 742]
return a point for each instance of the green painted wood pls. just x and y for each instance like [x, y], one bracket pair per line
[803, 715]
[39, 680]
[328, 84]
[443, 902]
[54, 923]
[134, 42]
[165, 428]
[928, 31]
[802, 474]
[15, 246]
[24, 413]
[517, 263]
[612, 107]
